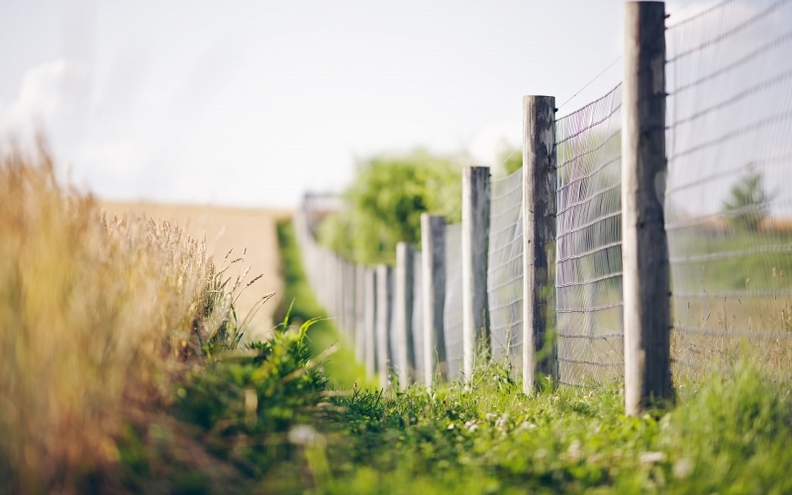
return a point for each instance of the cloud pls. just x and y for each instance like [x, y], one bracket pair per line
[52, 98]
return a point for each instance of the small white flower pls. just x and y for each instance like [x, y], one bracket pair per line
[573, 452]
[649, 458]
[450, 427]
[302, 435]
[471, 425]
[682, 468]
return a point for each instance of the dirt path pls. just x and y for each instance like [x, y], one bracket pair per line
[229, 228]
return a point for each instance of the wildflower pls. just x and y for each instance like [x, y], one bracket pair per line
[302, 435]
[682, 469]
[573, 452]
[649, 458]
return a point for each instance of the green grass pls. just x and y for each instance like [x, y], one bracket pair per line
[283, 417]
[728, 435]
[300, 303]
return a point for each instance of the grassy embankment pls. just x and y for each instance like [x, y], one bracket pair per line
[728, 435]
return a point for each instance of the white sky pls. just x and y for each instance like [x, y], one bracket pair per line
[250, 103]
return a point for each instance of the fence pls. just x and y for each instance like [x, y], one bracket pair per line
[647, 233]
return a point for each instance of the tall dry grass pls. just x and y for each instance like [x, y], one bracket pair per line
[97, 317]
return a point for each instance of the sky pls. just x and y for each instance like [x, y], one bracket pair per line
[251, 103]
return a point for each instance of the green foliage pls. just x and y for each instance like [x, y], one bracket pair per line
[730, 436]
[385, 202]
[300, 304]
[247, 395]
[746, 205]
[229, 422]
[511, 160]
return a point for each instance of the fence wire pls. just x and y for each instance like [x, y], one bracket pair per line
[452, 325]
[505, 272]
[728, 202]
[588, 243]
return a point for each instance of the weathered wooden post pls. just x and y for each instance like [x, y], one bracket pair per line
[475, 245]
[360, 313]
[433, 246]
[384, 308]
[417, 317]
[539, 231]
[647, 319]
[340, 295]
[334, 293]
[403, 307]
[351, 299]
[371, 322]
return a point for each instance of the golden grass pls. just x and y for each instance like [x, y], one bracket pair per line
[97, 317]
[228, 229]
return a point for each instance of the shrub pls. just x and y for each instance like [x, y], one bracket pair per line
[385, 202]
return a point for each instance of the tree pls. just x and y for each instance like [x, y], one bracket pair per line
[510, 159]
[747, 204]
[385, 202]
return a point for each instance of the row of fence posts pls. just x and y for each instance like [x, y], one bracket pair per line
[363, 298]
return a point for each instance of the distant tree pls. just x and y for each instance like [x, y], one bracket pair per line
[511, 159]
[746, 205]
[385, 202]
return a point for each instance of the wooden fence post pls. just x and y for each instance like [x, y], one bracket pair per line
[539, 231]
[433, 246]
[403, 306]
[360, 313]
[351, 299]
[647, 320]
[384, 308]
[371, 322]
[475, 246]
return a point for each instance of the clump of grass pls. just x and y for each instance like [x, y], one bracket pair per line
[300, 303]
[98, 317]
[730, 435]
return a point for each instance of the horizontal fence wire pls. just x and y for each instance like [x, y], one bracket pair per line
[505, 271]
[728, 201]
[452, 324]
[588, 243]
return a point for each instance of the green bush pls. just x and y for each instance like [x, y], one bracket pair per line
[746, 206]
[385, 202]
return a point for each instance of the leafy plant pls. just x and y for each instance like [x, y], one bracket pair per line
[747, 204]
[510, 160]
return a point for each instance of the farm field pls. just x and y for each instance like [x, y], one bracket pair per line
[224, 229]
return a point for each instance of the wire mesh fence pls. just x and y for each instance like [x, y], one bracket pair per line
[505, 271]
[588, 243]
[728, 204]
[452, 326]
[727, 210]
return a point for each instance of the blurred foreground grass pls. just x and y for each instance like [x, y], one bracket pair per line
[120, 364]
[99, 316]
